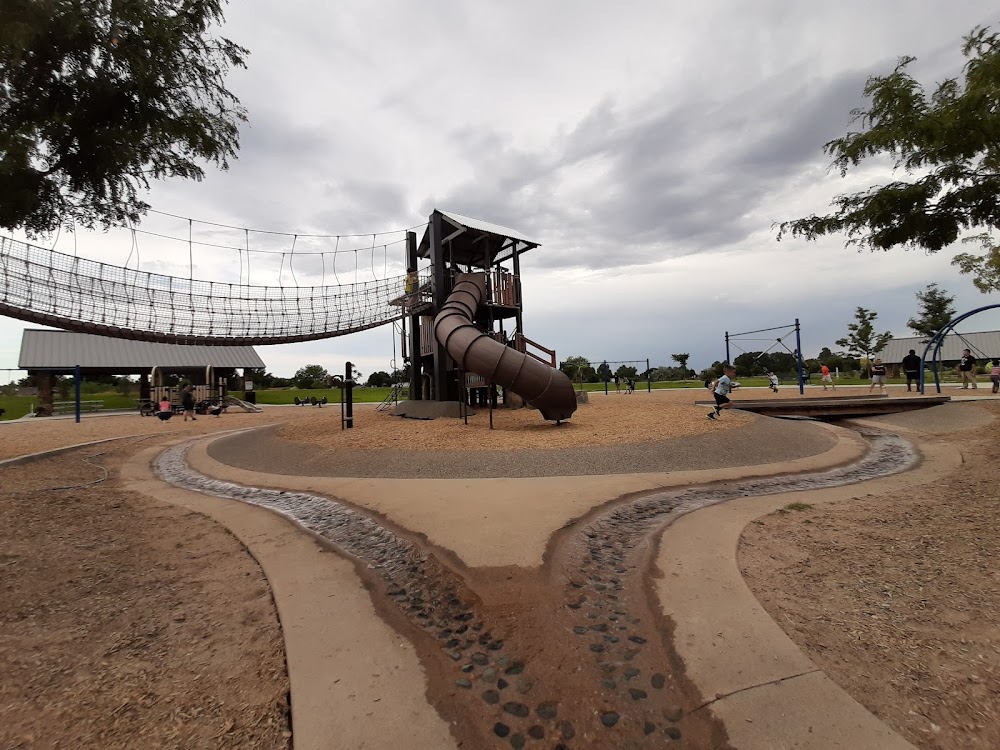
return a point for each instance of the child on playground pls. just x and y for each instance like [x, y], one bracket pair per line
[723, 386]
[878, 376]
[995, 375]
[773, 381]
[827, 378]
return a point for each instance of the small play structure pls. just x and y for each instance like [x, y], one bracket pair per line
[466, 328]
[774, 341]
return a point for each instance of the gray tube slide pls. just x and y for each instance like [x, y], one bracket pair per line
[542, 387]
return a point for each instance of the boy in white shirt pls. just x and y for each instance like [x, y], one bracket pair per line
[723, 386]
[774, 381]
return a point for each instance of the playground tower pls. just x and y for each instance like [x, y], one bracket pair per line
[466, 325]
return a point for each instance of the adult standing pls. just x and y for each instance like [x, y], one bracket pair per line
[911, 366]
[187, 401]
[967, 369]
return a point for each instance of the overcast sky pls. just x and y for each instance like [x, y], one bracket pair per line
[648, 146]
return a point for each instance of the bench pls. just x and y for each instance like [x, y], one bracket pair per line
[69, 407]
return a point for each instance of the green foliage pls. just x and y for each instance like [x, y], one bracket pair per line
[681, 360]
[379, 380]
[305, 377]
[626, 371]
[756, 363]
[579, 370]
[101, 96]
[861, 340]
[946, 152]
[604, 372]
[936, 309]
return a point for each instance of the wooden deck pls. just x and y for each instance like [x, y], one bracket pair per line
[834, 407]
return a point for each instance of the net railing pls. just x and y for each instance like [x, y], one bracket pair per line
[77, 294]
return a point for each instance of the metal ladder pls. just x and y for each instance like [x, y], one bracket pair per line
[391, 399]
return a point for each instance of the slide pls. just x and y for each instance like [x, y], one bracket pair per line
[542, 387]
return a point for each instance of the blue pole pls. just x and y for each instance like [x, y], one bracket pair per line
[798, 351]
[76, 384]
[728, 361]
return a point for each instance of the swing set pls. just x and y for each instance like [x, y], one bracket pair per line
[937, 341]
[779, 340]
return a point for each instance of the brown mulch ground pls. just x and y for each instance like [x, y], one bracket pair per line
[127, 623]
[607, 420]
[896, 598]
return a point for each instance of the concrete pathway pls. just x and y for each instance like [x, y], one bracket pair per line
[756, 680]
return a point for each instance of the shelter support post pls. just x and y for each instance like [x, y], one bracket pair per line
[649, 378]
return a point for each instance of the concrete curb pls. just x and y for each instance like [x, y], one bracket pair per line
[766, 691]
[354, 681]
[29, 457]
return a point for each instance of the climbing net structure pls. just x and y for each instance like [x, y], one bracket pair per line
[51, 288]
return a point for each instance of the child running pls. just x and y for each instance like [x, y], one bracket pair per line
[721, 392]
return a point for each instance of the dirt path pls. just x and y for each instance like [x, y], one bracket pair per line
[895, 597]
[128, 623]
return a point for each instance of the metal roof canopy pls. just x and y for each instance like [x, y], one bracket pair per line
[463, 236]
[986, 342]
[62, 351]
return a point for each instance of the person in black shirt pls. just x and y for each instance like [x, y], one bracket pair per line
[878, 376]
[911, 366]
[967, 368]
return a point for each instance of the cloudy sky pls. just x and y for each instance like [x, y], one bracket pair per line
[648, 146]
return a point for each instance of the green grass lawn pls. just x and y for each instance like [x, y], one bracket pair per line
[17, 406]
[287, 395]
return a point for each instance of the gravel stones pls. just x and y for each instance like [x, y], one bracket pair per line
[489, 675]
[480, 658]
[673, 713]
[463, 683]
[648, 728]
[546, 710]
[597, 648]
[566, 730]
[610, 718]
[517, 741]
[500, 729]
[658, 681]
[519, 710]
[492, 697]
[515, 668]
[536, 732]
[631, 673]
[673, 733]
[637, 694]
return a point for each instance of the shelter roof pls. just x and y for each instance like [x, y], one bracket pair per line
[63, 350]
[466, 233]
[982, 344]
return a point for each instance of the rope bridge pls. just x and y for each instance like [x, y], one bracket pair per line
[50, 288]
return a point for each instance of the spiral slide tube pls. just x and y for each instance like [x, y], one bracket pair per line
[542, 387]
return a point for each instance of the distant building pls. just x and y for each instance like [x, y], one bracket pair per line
[985, 344]
[45, 354]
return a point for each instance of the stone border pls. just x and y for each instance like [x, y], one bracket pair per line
[757, 681]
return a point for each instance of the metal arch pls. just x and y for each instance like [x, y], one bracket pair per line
[937, 340]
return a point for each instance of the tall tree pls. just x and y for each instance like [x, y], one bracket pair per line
[936, 309]
[861, 340]
[681, 360]
[946, 152]
[306, 377]
[97, 97]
